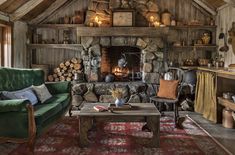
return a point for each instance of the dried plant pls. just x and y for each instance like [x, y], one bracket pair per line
[117, 93]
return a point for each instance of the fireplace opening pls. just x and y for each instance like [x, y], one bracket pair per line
[124, 62]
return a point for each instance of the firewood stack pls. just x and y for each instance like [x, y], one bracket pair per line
[66, 70]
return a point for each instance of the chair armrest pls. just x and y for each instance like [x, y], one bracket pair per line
[58, 87]
[13, 105]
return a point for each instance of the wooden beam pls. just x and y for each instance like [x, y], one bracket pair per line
[204, 6]
[2, 1]
[56, 5]
[230, 2]
[24, 9]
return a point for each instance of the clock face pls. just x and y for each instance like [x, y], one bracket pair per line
[123, 19]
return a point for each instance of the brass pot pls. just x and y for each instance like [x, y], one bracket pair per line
[228, 121]
[206, 38]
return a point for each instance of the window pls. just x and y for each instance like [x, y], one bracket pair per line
[5, 44]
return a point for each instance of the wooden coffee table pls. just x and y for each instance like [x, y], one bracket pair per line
[141, 112]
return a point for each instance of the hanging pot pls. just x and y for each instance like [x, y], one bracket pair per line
[122, 62]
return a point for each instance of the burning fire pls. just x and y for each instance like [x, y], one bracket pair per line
[120, 72]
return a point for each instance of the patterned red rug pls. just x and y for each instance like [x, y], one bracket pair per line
[117, 139]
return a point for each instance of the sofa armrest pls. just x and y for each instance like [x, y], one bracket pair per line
[58, 87]
[13, 105]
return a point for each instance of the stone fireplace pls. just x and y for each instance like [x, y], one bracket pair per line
[144, 56]
[110, 57]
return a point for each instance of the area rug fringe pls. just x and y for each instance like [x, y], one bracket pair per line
[225, 149]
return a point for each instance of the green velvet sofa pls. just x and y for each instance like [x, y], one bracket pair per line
[19, 120]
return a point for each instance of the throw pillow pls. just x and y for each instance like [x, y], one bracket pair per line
[168, 89]
[42, 93]
[26, 93]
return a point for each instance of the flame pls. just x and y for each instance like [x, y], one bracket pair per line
[120, 72]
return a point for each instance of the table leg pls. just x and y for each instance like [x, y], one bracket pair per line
[153, 123]
[85, 123]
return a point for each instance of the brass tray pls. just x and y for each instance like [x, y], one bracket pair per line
[112, 107]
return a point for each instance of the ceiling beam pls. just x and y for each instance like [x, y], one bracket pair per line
[204, 6]
[232, 2]
[24, 9]
[53, 7]
[2, 1]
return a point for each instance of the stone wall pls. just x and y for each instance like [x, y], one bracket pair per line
[134, 92]
[151, 55]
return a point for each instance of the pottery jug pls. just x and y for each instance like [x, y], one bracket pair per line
[166, 18]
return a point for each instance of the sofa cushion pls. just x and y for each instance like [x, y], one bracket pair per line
[168, 89]
[26, 93]
[42, 93]
[45, 111]
[63, 98]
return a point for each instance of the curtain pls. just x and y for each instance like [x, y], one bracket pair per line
[205, 101]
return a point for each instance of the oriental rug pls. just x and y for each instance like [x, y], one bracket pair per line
[117, 139]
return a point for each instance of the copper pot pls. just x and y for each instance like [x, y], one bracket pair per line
[228, 121]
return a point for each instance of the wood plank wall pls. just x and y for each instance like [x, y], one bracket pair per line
[224, 21]
[181, 9]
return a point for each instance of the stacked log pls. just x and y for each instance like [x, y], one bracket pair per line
[65, 71]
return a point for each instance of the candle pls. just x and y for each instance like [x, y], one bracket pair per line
[156, 24]
[96, 19]
[151, 19]
[99, 23]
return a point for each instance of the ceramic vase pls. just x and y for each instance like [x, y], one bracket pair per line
[119, 102]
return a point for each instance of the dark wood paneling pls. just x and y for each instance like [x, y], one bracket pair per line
[38, 10]
[11, 5]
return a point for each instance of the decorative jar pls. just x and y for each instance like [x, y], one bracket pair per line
[119, 102]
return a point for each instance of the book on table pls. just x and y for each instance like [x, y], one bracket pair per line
[100, 108]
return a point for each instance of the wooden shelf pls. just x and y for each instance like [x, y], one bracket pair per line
[58, 26]
[196, 27]
[123, 31]
[226, 103]
[197, 46]
[76, 47]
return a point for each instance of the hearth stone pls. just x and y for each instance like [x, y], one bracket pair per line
[95, 50]
[90, 96]
[103, 6]
[159, 55]
[144, 97]
[151, 77]
[119, 41]
[157, 66]
[86, 42]
[79, 89]
[141, 1]
[147, 67]
[105, 41]
[134, 99]
[94, 77]
[77, 100]
[103, 89]
[149, 56]
[92, 5]
[136, 87]
[107, 99]
[141, 43]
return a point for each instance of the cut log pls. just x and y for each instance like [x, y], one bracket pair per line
[62, 65]
[74, 60]
[71, 65]
[55, 75]
[79, 61]
[62, 78]
[67, 63]
[77, 66]
[57, 79]
[59, 74]
[50, 78]
[68, 79]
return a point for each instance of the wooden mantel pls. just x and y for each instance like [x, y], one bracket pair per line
[122, 31]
